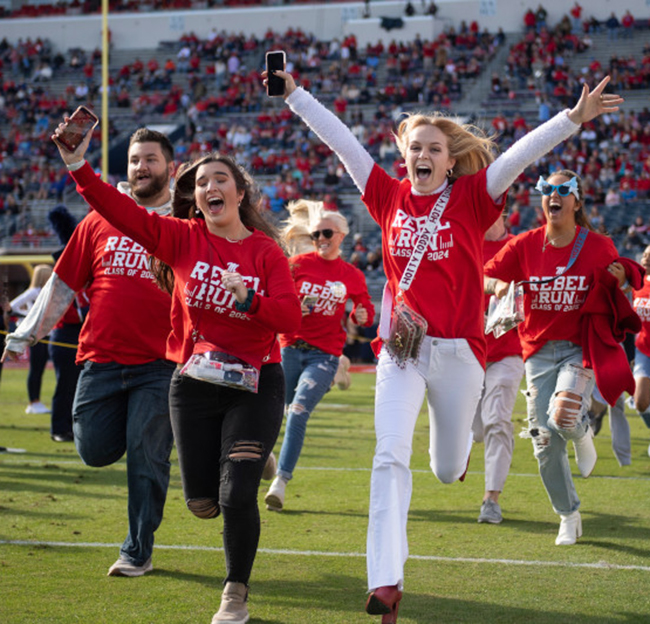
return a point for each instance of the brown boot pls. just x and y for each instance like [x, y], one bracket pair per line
[233, 608]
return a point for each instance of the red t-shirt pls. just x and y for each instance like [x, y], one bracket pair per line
[552, 309]
[641, 304]
[333, 282]
[199, 301]
[508, 344]
[449, 281]
[128, 319]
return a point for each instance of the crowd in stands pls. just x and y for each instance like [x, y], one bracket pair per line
[205, 84]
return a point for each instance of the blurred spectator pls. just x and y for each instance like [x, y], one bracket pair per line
[627, 25]
[613, 26]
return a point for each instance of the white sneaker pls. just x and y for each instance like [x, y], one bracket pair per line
[37, 408]
[270, 467]
[570, 529]
[123, 567]
[586, 455]
[274, 498]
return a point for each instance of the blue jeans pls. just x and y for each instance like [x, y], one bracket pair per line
[118, 409]
[308, 376]
[557, 366]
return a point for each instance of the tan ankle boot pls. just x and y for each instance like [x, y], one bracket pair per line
[233, 608]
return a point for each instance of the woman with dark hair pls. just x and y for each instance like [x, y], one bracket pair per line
[232, 292]
[559, 263]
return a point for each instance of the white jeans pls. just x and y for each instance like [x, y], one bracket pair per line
[493, 420]
[453, 378]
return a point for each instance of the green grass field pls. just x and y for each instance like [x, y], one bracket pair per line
[61, 524]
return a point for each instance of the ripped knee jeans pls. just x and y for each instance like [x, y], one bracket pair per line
[558, 392]
[309, 375]
[558, 396]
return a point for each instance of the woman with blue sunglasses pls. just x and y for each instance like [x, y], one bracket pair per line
[558, 263]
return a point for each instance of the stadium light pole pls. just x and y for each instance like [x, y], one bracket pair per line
[105, 44]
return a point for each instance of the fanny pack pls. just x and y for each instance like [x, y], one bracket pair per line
[209, 364]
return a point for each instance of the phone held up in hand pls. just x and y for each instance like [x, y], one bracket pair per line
[310, 301]
[81, 122]
[274, 61]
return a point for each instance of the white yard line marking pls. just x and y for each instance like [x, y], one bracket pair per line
[600, 565]
[26, 460]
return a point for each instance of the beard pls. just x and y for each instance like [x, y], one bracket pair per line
[155, 185]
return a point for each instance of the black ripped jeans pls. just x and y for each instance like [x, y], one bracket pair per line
[210, 424]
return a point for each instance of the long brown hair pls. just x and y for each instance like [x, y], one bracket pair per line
[184, 206]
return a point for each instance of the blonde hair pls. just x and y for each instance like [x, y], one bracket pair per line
[304, 216]
[40, 275]
[467, 144]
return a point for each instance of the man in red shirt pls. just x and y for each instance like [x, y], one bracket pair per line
[121, 401]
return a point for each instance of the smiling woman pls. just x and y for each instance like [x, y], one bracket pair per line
[453, 192]
[560, 282]
[310, 354]
[231, 293]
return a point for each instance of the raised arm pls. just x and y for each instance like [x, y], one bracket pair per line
[329, 129]
[119, 209]
[531, 147]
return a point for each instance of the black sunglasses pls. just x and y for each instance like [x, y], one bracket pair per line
[327, 233]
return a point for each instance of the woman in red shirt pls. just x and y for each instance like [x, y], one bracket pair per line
[440, 296]
[232, 293]
[310, 355]
[558, 262]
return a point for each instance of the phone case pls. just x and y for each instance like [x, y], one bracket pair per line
[275, 85]
[310, 301]
[81, 122]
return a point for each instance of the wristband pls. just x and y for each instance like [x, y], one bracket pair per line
[245, 306]
[78, 165]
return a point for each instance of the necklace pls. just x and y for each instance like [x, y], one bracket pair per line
[239, 241]
[552, 242]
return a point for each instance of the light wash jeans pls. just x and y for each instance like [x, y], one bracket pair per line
[308, 376]
[120, 409]
[448, 371]
[619, 428]
[557, 366]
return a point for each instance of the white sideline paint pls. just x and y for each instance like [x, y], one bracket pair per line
[600, 565]
[122, 463]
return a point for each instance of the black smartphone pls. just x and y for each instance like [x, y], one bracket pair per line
[275, 84]
[82, 121]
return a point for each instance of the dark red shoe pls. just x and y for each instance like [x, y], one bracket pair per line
[384, 601]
